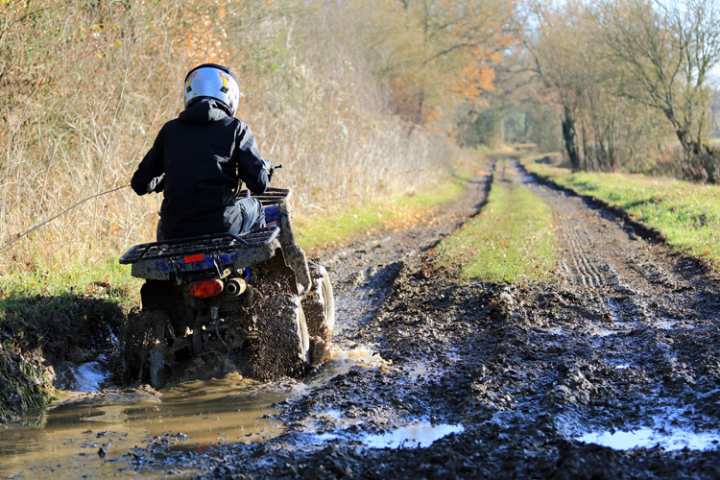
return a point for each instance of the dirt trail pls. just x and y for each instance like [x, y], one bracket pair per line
[558, 380]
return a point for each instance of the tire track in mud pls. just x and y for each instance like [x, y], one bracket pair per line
[529, 378]
[647, 299]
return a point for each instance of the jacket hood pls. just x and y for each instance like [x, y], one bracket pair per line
[205, 110]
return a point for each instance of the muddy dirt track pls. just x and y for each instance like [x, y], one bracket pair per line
[558, 380]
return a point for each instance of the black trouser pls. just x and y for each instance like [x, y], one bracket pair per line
[242, 217]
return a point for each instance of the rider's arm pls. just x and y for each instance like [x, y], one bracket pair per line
[150, 173]
[252, 168]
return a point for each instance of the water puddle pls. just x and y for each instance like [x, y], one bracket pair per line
[646, 437]
[88, 437]
[665, 324]
[557, 331]
[598, 331]
[415, 435]
[674, 428]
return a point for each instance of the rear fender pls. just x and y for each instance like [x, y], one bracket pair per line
[278, 265]
[294, 256]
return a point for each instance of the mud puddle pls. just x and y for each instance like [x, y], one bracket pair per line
[89, 434]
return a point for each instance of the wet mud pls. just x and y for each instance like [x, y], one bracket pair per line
[609, 370]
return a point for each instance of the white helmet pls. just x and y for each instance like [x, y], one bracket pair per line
[212, 81]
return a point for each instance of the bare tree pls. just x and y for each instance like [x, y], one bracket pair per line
[663, 52]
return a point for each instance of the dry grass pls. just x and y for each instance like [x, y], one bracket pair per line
[84, 87]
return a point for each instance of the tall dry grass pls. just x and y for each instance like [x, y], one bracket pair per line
[85, 86]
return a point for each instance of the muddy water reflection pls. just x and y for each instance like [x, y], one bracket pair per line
[65, 441]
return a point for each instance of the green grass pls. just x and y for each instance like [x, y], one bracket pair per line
[341, 227]
[108, 278]
[686, 214]
[511, 240]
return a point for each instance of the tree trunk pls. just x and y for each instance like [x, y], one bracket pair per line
[587, 159]
[570, 138]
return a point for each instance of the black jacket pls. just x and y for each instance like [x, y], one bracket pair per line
[199, 161]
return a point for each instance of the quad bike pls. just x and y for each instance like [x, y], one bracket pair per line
[250, 302]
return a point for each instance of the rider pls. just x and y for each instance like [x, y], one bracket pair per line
[200, 159]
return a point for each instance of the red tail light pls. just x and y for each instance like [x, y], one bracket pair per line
[194, 258]
[206, 288]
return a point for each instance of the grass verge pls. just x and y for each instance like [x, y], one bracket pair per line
[511, 240]
[686, 214]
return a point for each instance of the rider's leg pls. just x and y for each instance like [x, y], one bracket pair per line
[253, 213]
[246, 215]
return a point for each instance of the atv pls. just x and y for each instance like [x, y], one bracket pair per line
[249, 302]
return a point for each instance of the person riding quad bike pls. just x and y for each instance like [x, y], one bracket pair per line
[218, 277]
[200, 159]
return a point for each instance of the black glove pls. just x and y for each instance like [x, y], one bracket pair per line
[157, 184]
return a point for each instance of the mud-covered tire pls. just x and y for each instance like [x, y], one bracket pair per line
[144, 348]
[280, 344]
[319, 308]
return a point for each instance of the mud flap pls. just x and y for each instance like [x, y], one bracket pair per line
[294, 256]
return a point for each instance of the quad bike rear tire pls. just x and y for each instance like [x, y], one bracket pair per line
[280, 343]
[319, 308]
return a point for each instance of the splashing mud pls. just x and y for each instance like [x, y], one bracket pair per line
[90, 376]
[342, 360]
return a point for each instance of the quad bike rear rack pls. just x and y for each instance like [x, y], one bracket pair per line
[162, 260]
[203, 243]
[165, 260]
